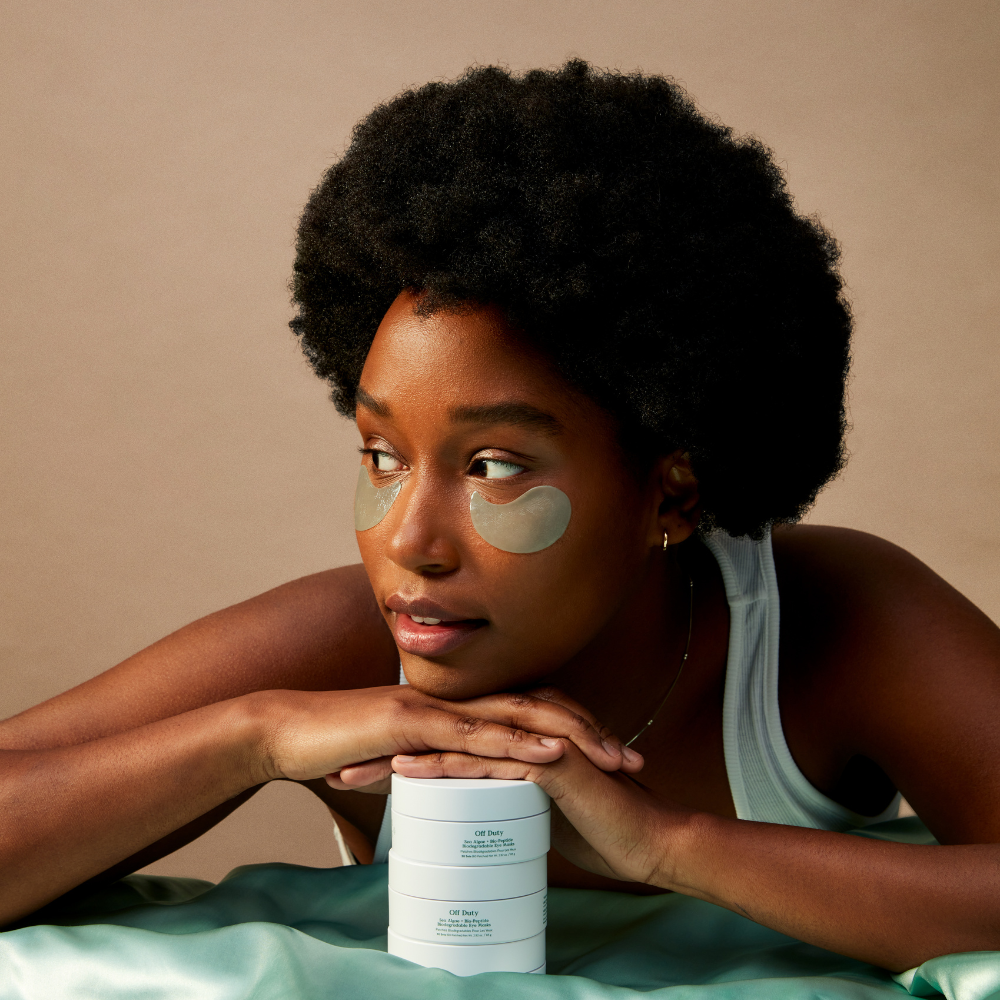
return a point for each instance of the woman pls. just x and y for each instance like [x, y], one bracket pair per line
[595, 357]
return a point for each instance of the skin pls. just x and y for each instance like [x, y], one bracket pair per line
[889, 679]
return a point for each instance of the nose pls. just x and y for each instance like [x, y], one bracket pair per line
[423, 537]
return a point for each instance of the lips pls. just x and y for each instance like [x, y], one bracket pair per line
[422, 639]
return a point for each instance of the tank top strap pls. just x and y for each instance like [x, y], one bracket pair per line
[766, 783]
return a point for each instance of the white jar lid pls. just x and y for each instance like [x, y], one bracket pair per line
[467, 800]
[452, 882]
[469, 845]
[471, 922]
[471, 959]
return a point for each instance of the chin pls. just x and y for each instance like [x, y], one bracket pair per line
[457, 683]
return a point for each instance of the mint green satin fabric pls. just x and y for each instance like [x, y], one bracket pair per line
[280, 932]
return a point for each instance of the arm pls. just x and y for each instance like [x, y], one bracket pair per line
[322, 631]
[70, 813]
[882, 662]
[95, 777]
[895, 905]
[318, 633]
[888, 664]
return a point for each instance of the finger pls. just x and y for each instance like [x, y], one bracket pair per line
[581, 790]
[380, 787]
[465, 765]
[367, 772]
[418, 729]
[565, 780]
[550, 712]
[632, 760]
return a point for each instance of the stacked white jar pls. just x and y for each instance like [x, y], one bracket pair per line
[467, 874]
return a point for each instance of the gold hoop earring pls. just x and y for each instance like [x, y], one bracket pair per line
[666, 539]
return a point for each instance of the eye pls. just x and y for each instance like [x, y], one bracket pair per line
[495, 469]
[384, 462]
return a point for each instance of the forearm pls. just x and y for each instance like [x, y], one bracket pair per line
[895, 905]
[70, 813]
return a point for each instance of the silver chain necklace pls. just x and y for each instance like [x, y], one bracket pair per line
[680, 669]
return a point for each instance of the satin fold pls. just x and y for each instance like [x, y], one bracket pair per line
[281, 932]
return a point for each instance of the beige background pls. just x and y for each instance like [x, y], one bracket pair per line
[166, 450]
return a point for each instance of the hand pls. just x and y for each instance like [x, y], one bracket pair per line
[602, 820]
[350, 736]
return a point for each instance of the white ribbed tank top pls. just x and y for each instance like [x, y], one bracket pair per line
[764, 780]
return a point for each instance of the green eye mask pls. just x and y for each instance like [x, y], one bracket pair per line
[370, 503]
[530, 523]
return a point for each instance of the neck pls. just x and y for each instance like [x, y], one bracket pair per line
[624, 672]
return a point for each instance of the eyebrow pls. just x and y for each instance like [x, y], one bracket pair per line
[362, 398]
[506, 413]
[522, 414]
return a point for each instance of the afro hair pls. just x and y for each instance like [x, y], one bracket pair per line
[653, 255]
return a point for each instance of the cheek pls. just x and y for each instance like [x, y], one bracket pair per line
[544, 606]
[373, 546]
[548, 605]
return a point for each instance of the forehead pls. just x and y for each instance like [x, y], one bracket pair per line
[456, 361]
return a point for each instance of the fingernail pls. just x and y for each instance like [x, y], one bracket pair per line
[630, 755]
[549, 743]
[610, 749]
[403, 759]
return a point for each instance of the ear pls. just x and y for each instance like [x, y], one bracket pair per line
[678, 500]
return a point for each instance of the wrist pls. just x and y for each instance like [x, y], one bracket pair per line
[682, 833]
[259, 720]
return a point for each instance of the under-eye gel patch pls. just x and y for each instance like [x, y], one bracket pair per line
[530, 523]
[371, 504]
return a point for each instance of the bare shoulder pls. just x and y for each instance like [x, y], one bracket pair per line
[889, 661]
[320, 632]
[840, 582]
[822, 551]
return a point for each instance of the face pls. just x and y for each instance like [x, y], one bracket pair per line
[455, 404]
